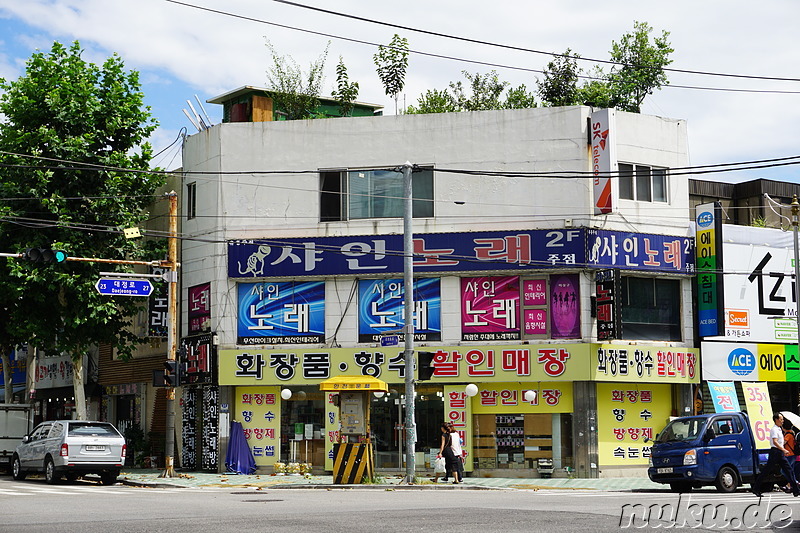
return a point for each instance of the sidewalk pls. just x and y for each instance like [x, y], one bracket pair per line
[150, 478]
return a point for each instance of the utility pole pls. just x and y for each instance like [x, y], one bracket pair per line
[408, 290]
[795, 221]
[172, 334]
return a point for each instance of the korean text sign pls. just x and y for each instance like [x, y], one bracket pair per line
[381, 309]
[490, 308]
[200, 308]
[723, 394]
[259, 411]
[281, 312]
[744, 361]
[759, 410]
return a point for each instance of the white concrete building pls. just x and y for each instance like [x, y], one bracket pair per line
[309, 214]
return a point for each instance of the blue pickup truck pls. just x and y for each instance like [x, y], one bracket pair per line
[717, 449]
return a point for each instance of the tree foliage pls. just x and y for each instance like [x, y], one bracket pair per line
[70, 127]
[296, 93]
[482, 92]
[346, 91]
[559, 87]
[392, 62]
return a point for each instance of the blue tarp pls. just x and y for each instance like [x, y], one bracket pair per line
[239, 458]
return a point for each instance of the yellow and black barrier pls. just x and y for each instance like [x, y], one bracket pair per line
[352, 462]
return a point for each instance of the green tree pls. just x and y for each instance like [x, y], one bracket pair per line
[77, 168]
[559, 87]
[346, 91]
[640, 66]
[296, 93]
[519, 98]
[482, 92]
[392, 62]
[434, 101]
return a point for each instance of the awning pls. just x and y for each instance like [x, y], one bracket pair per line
[354, 383]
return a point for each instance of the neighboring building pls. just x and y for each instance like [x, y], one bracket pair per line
[293, 230]
[743, 203]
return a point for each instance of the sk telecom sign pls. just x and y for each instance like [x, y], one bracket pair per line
[604, 159]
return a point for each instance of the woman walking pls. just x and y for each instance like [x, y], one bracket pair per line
[450, 449]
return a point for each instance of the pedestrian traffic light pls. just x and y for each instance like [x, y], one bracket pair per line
[425, 366]
[45, 256]
[172, 376]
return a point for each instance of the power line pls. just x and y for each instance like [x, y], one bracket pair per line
[486, 63]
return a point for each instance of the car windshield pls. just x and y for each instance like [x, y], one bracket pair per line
[92, 430]
[681, 429]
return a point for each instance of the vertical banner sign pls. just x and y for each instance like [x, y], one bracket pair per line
[759, 410]
[534, 301]
[259, 410]
[608, 305]
[281, 313]
[189, 428]
[490, 308]
[210, 432]
[708, 236]
[158, 306]
[381, 309]
[198, 359]
[458, 410]
[723, 394]
[604, 158]
[200, 308]
[565, 306]
[332, 426]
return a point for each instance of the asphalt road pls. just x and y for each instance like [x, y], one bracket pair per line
[34, 506]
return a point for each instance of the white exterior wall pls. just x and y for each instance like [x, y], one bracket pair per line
[236, 206]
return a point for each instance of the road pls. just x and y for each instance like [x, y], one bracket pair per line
[81, 506]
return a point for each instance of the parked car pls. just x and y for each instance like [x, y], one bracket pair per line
[71, 448]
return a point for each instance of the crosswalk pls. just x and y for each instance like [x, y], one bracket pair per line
[34, 487]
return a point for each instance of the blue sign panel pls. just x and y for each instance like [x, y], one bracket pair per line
[281, 313]
[723, 394]
[124, 287]
[380, 309]
[640, 251]
[460, 252]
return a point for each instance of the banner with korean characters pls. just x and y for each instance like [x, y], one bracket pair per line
[640, 251]
[281, 313]
[259, 411]
[534, 312]
[490, 308]
[458, 410]
[627, 413]
[381, 309]
[332, 426]
[509, 398]
[739, 361]
[723, 394]
[653, 364]
[759, 411]
[200, 308]
[502, 363]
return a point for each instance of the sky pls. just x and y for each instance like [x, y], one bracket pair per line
[183, 52]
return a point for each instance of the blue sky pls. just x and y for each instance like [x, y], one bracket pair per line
[182, 52]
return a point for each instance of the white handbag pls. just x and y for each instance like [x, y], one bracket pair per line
[438, 465]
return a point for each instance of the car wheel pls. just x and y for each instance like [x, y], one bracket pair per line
[16, 469]
[727, 479]
[680, 487]
[50, 473]
[108, 478]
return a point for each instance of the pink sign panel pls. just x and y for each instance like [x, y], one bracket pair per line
[565, 309]
[200, 308]
[535, 321]
[490, 308]
[534, 292]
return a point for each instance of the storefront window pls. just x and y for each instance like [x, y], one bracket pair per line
[303, 427]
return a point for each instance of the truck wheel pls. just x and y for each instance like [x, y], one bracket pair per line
[108, 478]
[16, 469]
[727, 479]
[681, 486]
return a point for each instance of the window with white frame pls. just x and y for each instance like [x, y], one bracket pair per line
[642, 183]
[373, 193]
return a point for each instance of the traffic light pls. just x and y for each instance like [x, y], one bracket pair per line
[425, 367]
[45, 256]
[172, 375]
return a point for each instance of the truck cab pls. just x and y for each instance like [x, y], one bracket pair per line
[695, 451]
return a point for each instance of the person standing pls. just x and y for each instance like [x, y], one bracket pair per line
[458, 454]
[789, 440]
[446, 451]
[777, 458]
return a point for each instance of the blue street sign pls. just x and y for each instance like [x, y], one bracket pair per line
[124, 286]
[390, 340]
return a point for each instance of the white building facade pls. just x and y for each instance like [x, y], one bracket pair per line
[294, 231]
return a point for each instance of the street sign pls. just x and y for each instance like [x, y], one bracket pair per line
[124, 286]
[390, 340]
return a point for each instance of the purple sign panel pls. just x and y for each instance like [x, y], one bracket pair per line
[534, 292]
[535, 321]
[490, 309]
[565, 310]
[381, 306]
[640, 251]
[200, 308]
[281, 313]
